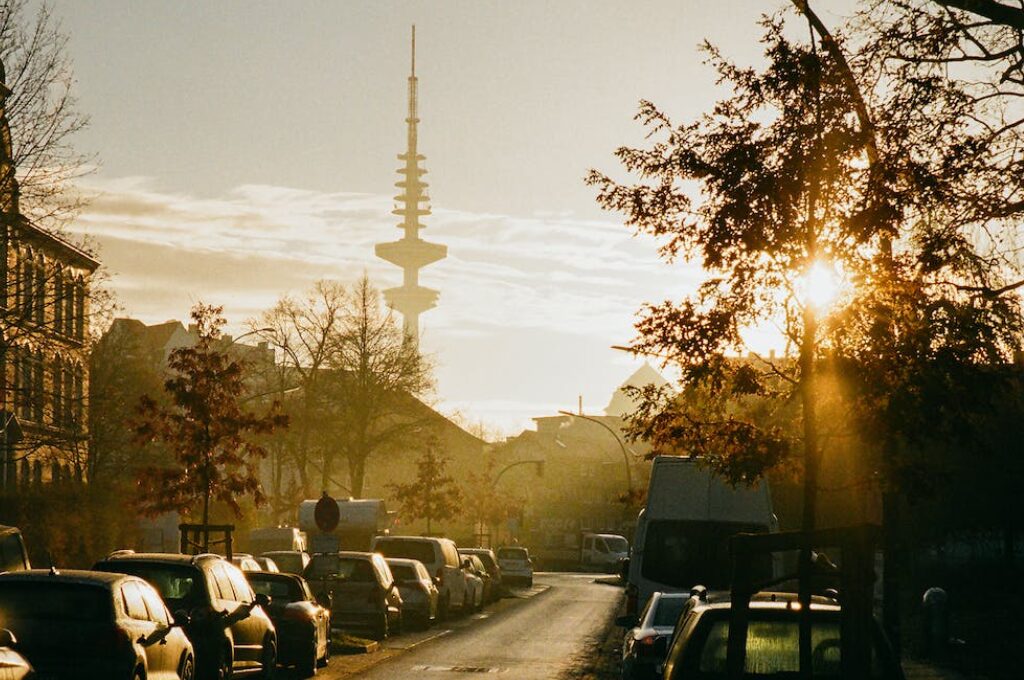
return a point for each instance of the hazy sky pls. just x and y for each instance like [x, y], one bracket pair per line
[248, 149]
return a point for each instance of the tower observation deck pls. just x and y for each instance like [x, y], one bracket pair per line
[410, 252]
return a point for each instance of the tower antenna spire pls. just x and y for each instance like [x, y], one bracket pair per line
[411, 253]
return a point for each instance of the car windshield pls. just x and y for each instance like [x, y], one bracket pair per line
[342, 568]
[616, 544]
[684, 553]
[410, 550]
[20, 600]
[403, 572]
[773, 648]
[278, 589]
[290, 563]
[512, 554]
[176, 583]
[668, 610]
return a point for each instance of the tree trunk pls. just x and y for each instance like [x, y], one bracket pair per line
[810, 495]
[356, 472]
[206, 506]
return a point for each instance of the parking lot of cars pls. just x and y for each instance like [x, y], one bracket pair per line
[169, 615]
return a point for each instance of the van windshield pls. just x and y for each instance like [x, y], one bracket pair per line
[410, 550]
[616, 544]
[682, 553]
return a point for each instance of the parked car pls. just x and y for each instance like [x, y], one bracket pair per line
[245, 562]
[289, 561]
[222, 616]
[646, 642]
[360, 591]
[441, 558]
[477, 568]
[13, 664]
[419, 593]
[474, 585]
[267, 564]
[88, 624]
[303, 625]
[603, 552]
[699, 643]
[516, 565]
[490, 561]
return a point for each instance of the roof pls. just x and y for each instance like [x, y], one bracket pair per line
[81, 576]
[720, 600]
[65, 248]
[162, 558]
[272, 576]
[477, 551]
[402, 561]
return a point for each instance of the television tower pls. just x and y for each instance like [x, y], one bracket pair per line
[410, 252]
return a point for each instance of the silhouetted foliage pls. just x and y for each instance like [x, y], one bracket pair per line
[206, 428]
[433, 495]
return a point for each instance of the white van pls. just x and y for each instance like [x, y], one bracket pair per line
[603, 551]
[682, 535]
[441, 558]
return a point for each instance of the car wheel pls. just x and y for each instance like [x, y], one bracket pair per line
[307, 668]
[326, 659]
[187, 668]
[529, 582]
[380, 631]
[268, 661]
[225, 666]
[443, 609]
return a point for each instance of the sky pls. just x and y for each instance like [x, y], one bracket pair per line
[247, 149]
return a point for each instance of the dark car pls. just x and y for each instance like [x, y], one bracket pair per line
[646, 641]
[418, 591]
[360, 591]
[490, 561]
[699, 642]
[88, 624]
[211, 597]
[303, 625]
[289, 561]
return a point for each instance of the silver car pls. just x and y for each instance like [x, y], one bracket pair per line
[419, 594]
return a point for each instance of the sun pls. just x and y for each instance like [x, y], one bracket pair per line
[819, 286]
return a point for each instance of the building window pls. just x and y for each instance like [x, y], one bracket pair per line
[39, 311]
[68, 395]
[58, 299]
[58, 392]
[69, 308]
[27, 277]
[38, 400]
[80, 309]
[79, 396]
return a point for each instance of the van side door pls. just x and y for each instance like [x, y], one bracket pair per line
[453, 573]
[141, 628]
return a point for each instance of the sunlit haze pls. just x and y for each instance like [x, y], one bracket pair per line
[249, 149]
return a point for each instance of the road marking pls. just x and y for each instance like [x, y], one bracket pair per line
[417, 643]
[458, 669]
[478, 617]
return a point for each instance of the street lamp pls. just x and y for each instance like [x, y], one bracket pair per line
[618, 440]
[539, 462]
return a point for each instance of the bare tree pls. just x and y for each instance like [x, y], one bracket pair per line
[43, 115]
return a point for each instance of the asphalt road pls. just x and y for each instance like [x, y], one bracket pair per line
[541, 634]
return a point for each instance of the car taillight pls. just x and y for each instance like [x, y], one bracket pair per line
[645, 645]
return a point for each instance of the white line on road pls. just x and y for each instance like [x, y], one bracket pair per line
[458, 669]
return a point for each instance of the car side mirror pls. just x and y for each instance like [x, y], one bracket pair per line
[626, 621]
[181, 618]
[7, 638]
[262, 600]
[466, 564]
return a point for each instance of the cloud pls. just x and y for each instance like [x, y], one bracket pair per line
[550, 280]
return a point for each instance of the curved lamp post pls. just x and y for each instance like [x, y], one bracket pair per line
[618, 440]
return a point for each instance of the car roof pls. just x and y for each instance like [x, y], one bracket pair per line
[272, 576]
[167, 558]
[80, 576]
[766, 601]
[402, 561]
[418, 539]
[271, 553]
[477, 551]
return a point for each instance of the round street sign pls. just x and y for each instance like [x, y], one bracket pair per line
[326, 514]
